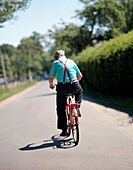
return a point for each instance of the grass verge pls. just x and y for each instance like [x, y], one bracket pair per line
[8, 93]
[123, 104]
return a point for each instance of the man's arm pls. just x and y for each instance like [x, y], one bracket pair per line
[79, 77]
[78, 73]
[51, 85]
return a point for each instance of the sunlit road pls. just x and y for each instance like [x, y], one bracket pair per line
[29, 139]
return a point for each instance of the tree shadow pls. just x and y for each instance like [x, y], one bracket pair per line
[109, 105]
[56, 142]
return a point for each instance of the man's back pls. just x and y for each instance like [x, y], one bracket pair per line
[58, 70]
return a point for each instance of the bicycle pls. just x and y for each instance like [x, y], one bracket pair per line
[72, 117]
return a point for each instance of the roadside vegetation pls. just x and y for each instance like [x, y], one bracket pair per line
[107, 69]
[8, 93]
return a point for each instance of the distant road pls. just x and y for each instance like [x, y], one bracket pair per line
[29, 139]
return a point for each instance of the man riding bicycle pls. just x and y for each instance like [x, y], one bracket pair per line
[68, 76]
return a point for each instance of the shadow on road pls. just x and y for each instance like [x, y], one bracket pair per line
[43, 95]
[56, 142]
[108, 104]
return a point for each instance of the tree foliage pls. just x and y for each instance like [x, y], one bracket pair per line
[103, 18]
[108, 67]
[9, 7]
[31, 51]
[128, 12]
[28, 59]
[70, 37]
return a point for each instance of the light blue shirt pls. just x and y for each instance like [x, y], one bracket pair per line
[57, 70]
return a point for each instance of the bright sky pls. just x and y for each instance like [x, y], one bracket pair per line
[39, 17]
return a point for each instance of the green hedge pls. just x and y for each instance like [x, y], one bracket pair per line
[108, 68]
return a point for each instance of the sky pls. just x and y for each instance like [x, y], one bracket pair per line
[40, 16]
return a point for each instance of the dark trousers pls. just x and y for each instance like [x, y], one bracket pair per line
[61, 101]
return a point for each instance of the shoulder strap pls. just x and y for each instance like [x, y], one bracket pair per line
[65, 69]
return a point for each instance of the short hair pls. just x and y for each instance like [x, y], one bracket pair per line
[62, 53]
[58, 54]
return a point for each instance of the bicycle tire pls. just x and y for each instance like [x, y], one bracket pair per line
[68, 127]
[75, 131]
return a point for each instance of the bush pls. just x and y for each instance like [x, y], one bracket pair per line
[108, 68]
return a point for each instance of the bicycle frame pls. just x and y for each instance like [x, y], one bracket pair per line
[71, 111]
[72, 118]
[74, 111]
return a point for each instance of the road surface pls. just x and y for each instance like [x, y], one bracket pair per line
[29, 139]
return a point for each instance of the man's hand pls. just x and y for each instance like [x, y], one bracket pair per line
[52, 86]
[79, 77]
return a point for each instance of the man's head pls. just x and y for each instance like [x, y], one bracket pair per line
[58, 54]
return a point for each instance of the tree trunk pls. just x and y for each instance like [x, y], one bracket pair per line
[30, 76]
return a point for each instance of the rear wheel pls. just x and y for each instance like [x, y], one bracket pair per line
[68, 127]
[75, 130]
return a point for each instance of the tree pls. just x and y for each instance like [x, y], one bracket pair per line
[7, 10]
[69, 37]
[46, 62]
[11, 60]
[31, 51]
[3, 69]
[103, 18]
[8, 66]
[9, 7]
[128, 10]
[8, 49]
[28, 59]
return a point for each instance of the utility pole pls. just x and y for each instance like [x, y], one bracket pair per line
[4, 70]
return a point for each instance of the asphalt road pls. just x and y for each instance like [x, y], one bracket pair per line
[29, 139]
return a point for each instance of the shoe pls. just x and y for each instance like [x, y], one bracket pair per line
[64, 133]
[79, 114]
[67, 134]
